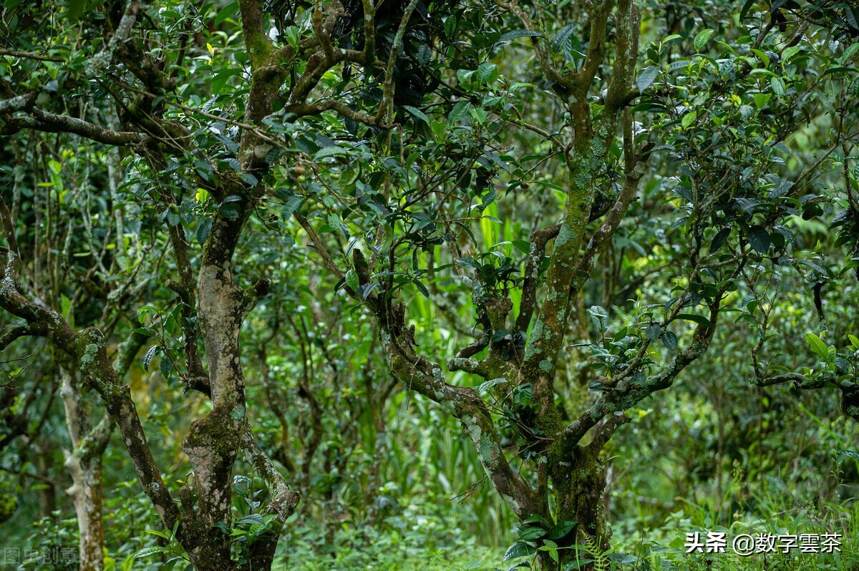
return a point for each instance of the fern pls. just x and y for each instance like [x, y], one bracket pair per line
[601, 562]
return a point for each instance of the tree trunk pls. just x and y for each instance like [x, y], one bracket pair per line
[212, 553]
[213, 441]
[580, 489]
[87, 494]
[211, 447]
[84, 463]
[261, 552]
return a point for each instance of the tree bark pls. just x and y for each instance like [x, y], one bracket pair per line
[581, 495]
[87, 496]
[84, 463]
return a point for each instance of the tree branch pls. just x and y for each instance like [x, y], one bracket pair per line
[88, 350]
[30, 55]
[283, 500]
[427, 378]
[596, 47]
[13, 333]
[634, 170]
[539, 239]
[52, 123]
[626, 54]
[386, 106]
[627, 394]
[123, 30]
[17, 103]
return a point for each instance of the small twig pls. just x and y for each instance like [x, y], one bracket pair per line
[29, 55]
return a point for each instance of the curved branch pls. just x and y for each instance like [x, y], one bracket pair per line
[40, 120]
[798, 380]
[465, 404]
[283, 500]
[88, 350]
[16, 332]
[627, 394]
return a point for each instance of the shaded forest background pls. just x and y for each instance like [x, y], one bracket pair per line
[427, 285]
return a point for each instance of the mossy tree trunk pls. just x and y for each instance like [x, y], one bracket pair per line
[568, 471]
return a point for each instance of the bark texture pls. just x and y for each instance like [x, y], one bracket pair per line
[84, 463]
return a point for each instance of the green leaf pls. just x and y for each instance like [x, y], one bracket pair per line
[788, 53]
[332, 151]
[293, 36]
[622, 558]
[702, 38]
[290, 206]
[841, 69]
[523, 246]
[204, 170]
[165, 367]
[204, 228]
[75, 9]
[487, 385]
[688, 119]
[762, 56]
[414, 111]
[551, 548]
[421, 288]
[352, 280]
[647, 77]
[515, 34]
[598, 311]
[163, 534]
[337, 224]
[458, 112]
[853, 340]
[562, 529]
[669, 340]
[759, 239]
[699, 319]
[65, 307]
[518, 549]
[817, 346]
[761, 71]
[249, 179]
[777, 86]
[148, 552]
[226, 12]
[531, 532]
[761, 99]
[229, 211]
[250, 519]
[487, 72]
[719, 239]
[678, 65]
[439, 130]
[849, 53]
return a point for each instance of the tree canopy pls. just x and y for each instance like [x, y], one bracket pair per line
[282, 280]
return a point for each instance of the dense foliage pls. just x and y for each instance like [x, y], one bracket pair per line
[424, 284]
